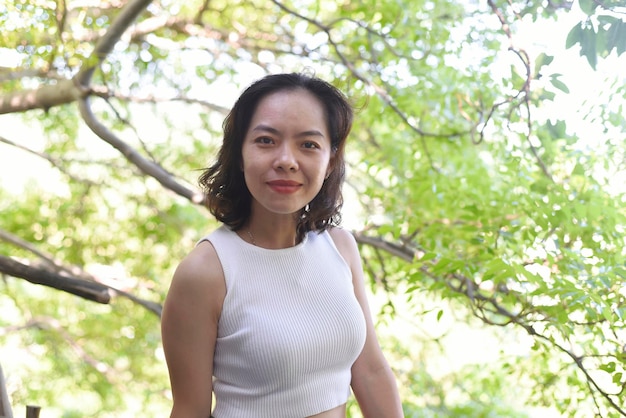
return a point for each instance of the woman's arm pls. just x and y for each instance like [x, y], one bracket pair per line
[373, 382]
[189, 329]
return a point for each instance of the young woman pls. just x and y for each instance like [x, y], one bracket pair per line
[269, 312]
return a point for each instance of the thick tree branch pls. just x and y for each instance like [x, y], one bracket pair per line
[146, 166]
[51, 270]
[88, 290]
[44, 97]
[401, 251]
[103, 47]
[47, 259]
[67, 91]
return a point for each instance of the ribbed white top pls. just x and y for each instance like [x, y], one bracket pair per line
[289, 331]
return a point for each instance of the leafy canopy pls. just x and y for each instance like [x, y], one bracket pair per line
[473, 191]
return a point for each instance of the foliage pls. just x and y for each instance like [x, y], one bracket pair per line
[468, 186]
[602, 31]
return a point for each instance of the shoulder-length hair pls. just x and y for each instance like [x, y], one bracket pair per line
[227, 195]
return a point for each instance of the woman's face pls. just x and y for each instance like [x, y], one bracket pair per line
[286, 152]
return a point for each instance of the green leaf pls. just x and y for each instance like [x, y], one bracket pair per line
[554, 80]
[588, 46]
[428, 256]
[588, 6]
[540, 61]
[439, 314]
[617, 35]
[574, 36]
[608, 367]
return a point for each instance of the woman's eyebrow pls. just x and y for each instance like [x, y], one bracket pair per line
[265, 128]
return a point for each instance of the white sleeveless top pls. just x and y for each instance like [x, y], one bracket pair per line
[290, 328]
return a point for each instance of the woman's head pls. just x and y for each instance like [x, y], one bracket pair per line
[229, 199]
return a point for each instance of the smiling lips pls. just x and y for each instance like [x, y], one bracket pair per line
[284, 186]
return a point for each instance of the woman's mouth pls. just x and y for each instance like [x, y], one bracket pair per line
[284, 186]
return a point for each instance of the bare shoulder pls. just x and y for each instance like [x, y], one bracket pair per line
[341, 235]
[201, 264]
[199, 278]
[345, 243]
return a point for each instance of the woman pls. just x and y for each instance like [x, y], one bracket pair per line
[269, 312]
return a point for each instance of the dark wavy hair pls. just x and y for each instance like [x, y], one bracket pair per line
[227, 195]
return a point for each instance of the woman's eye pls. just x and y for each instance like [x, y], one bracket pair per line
[264, 140]
[310, 145]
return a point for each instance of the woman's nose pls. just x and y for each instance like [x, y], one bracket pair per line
[286, 159]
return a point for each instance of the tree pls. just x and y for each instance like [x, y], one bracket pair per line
[465, 191]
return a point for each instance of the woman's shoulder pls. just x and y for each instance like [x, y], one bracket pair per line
[341, 236]
[345, 242]
[201, 268]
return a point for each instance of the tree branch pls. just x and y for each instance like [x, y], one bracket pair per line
[53, 270]
[379, 90]
[44, 97]
[87, 290]
[518, 320]
[58, 164]
[401, 251]
[146, 166]
[47, 259]
[107, 42]
[523, 94]
[67, 91]
[482, 304]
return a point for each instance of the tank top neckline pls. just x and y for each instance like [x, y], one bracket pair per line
[257, 248]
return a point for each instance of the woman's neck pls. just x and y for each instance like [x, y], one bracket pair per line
[270, 233]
